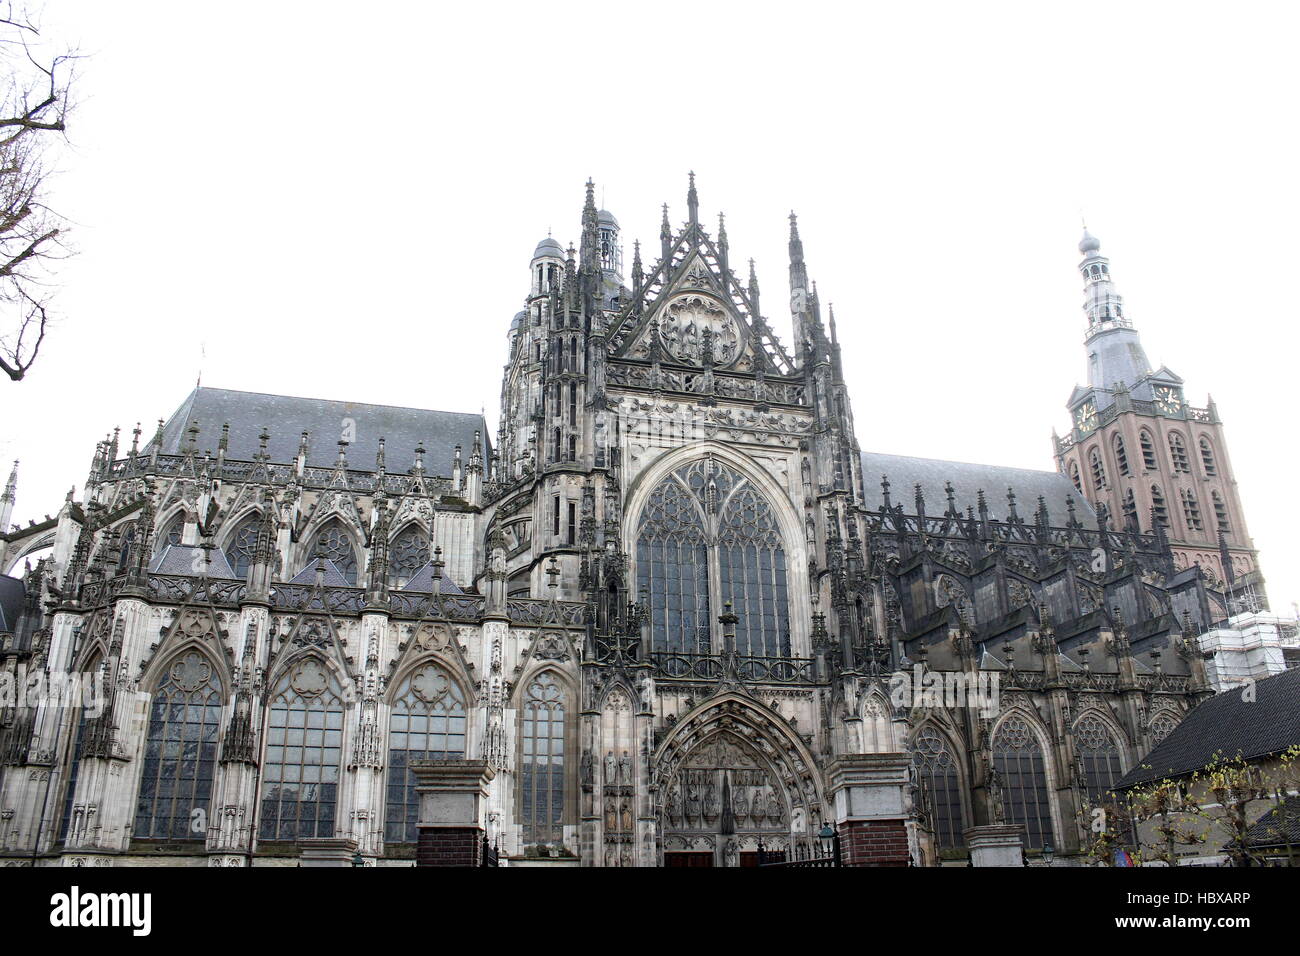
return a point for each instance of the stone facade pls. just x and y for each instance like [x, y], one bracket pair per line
[668, 610]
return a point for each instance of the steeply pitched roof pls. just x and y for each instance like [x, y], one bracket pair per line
[1279, 827]
[422, 580]
[1227, 724]
[286, 418]
[967, 481]
[13, 594]
[189, 559]
[333, 578]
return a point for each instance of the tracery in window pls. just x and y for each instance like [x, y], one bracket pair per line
[335, 544]
[1099, 754]
[940, 786]
[242, 545]
[707, 519]
[409, 552]
[304, 753]
[1021, 779]
[180, 752]
[542, 764]
[1074, 477]
[1162, 725]
[171, 534]
[427, 722]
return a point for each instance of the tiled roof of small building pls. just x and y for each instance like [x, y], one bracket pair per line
[1251, 720]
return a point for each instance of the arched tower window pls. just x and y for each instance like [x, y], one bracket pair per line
[304, 754]
[706, 522]
[1158, 506]
[940, 786]
[542, 768]
[1121, 455]
[1098, 470]
[1130, 511]
[335, 544]
[1099, 754]
[1022, 779]
[180, 752]
[1207, 458]
[1178, 453]
[242, 545]
[1191, 510]
[427, 722]
[408, 553]
[1074, 477]
[1220, 513]
[1148, 450]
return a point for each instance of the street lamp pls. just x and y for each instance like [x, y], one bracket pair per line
[1048, 851]
[358, 859]
[826, 836]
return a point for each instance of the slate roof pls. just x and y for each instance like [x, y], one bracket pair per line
[967, 480]
[13, 595]
[1279, 827]
[286, 418]
[422, 580]
[333, 576]
[188, 558]
[1227, 724]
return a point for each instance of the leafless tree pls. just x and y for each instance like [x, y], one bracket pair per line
[33, 115]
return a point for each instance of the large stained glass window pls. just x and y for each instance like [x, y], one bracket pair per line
[1021, 779]
[335, 544]
[704, 523]
[427, 722]
[541, 783]
[1099, 754]
[409, 553]
[304, 753]
[242, 545]
[940, 786]
[180, 752]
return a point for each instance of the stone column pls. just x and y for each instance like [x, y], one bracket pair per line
[453, 811]
[997, 844]
[870, 795]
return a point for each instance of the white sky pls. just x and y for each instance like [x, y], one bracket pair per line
[341, 200]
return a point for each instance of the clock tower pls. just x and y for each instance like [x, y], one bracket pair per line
[1138, 448]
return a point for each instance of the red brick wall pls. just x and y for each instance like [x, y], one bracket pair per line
[874, 843]
[449, 846]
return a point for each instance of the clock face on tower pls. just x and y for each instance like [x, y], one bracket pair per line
[1085, 417]
[1167, 399]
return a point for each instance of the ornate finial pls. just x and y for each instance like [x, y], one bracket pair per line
[693, 201]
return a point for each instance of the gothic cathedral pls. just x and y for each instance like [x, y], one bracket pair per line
[673, 615]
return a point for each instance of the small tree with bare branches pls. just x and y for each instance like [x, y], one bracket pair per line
[33, 116]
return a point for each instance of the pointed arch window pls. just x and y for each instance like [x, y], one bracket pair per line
[1207, 458]
[1162, 725]
[180, 752]
[542, 761]
[1021, 779]
[877, 729]
[1159, 509]
[1099, 754]
[409, 552]
[1130, 511]
[1148, 450]
[940, 786]
[1191, 511]
[304, 754]
[172, 533]
[1121, 455]
[335, 544]
[1178, 453]
[1098, 470]
[706, 523]
[1220, 513]
[1074, 477]
[242, 545]
[91, 673]
[427, 722]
